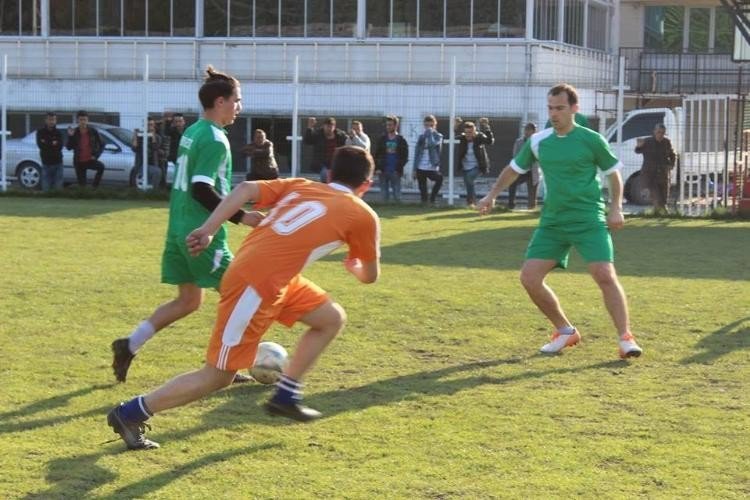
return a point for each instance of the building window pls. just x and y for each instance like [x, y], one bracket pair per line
[597, 29]
[134, 18]
[700, 21]
[723, 32]
[266, 18]
[486, 21]
[458, 18]
[110, 18]
[545, 21]
[573, 22]
[344, 18]
[512, 19]
[240, 18]
[292, 18]
[20, 17]
[431, 18]
[318, 21]
[404, 21]
[378, 18]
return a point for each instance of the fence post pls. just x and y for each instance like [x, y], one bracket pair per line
[295, 137]
[144, 133]
[452, 135]
[4, 131]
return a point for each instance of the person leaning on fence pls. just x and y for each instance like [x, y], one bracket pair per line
[324, 141]
[87, 146]
[658, 159]
[531, 178]
[49, 139]
[153, 149]
[471, 155]
[263, 166]
[391, 154]
[427, 159]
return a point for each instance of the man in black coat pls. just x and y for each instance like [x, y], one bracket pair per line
[49, 139]
[87, 146]
[658, 159]
[324, 141]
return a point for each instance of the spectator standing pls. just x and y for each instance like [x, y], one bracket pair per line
[471, 155]
[173, 134]
[153, 148]
[87, 146]
[357, 136]
[263, 164]
[427, 159]
[658, 159]
[391, 154]
[324, 141]
[49, 139]
[531, 178]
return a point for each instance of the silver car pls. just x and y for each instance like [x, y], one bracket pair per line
[118, 158]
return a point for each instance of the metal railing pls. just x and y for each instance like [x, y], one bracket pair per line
[651, 72]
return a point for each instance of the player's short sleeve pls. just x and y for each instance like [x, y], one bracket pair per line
[604, 157]
[523, 161]
[209, 158]
[272, 191]
[363, 238]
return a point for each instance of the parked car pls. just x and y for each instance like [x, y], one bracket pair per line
[24, 163]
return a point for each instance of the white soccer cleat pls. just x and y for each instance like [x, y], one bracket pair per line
[560, 341]
[628, 347]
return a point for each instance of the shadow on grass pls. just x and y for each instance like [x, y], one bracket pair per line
[14, 420]
[78, 476]
[708, 252]
[733, 337]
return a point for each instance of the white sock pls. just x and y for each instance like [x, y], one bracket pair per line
[140, 336]
[566, 330]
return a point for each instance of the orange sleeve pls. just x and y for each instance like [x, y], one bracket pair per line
[364, 238]
[272, 191]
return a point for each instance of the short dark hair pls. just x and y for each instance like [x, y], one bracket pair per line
[392, 118]
[176, 115]
[568, 89]
[430, 118]
[530, 126]
[51, 113]
[469, 125]
[330, 121]
[216, 84]
[351, 166]
[660, 126]
[81, 113]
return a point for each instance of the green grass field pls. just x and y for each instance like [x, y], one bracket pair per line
[435, 390]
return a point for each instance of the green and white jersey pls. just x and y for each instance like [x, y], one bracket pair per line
[203, 156]
[571, 166]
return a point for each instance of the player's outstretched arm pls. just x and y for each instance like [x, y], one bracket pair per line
[505, 179]
[615, 219]
[199, 239]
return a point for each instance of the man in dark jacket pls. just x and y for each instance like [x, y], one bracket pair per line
[263, 166]
[87, 146]
[153, 148]
[658, 159]
[391, 153]
[530, 178]
[324, 141]
[471, 155]
[49, 139]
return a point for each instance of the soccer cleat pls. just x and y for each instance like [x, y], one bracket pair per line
[130, 432]
[241, 378]
[628, 347]
[122, 358]
[295, 411]
[558, 342]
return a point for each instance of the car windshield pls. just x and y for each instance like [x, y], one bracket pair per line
[122, 134]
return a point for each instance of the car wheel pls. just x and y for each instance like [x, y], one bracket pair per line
[29, 175]
[636, 190]
[136, 177]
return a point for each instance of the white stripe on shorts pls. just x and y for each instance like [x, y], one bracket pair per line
[243, 312]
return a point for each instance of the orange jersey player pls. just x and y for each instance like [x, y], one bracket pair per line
[263, 284]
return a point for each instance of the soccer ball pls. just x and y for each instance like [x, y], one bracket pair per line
[269, 363]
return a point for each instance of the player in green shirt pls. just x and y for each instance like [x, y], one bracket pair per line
[202, 179]
[573, 216]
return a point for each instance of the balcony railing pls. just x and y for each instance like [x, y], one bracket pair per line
[649, 72]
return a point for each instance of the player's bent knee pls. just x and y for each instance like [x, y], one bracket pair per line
[529, 280]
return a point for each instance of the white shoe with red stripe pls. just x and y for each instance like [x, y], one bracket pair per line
[628, 347]
[560, 341]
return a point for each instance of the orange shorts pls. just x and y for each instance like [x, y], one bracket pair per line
[244, 317]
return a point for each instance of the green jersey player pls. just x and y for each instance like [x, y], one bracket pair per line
[202, 179]
[570, 157]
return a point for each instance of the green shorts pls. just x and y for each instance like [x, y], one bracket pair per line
[593, 242]
[179, 267]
